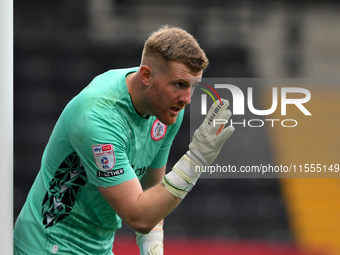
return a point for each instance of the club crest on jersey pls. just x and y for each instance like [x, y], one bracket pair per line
[104, 156]
[158, 130]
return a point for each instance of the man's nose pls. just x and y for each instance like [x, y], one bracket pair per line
[185, 97]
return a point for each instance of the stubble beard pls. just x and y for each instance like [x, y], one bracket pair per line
[153, 100]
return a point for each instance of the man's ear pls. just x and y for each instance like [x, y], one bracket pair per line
[145, 74]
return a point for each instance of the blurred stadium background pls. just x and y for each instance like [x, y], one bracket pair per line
[61, 45]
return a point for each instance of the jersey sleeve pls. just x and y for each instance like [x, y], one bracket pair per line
[163, 153]
[101, 146]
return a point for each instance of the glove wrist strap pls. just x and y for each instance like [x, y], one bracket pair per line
[184, 175]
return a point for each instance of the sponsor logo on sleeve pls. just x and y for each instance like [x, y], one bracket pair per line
[104, 156]
[111, 173]
[158, 130]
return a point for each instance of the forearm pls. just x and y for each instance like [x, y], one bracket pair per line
[155, 204]
[143, 210]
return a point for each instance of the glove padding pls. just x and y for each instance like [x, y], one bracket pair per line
[204, 148]
[151, 243]
[209, 138]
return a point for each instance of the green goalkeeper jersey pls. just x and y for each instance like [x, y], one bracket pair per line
[99, 140]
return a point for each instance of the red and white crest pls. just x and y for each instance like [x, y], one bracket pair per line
[158, 130]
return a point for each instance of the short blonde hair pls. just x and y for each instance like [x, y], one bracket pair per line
[175, 44]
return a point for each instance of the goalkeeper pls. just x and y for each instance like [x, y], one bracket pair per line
[105, 160]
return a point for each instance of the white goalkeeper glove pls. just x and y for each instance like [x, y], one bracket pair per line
[151, 243]
[203, 149]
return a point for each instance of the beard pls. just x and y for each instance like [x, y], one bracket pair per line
[158, 105]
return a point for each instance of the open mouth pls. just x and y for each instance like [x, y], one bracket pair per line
[175, 109]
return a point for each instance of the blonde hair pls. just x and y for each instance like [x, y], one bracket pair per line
[175, 44]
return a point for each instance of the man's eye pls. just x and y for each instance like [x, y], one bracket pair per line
[178, 84]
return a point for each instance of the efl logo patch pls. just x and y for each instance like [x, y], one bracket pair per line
[104, 156]
[158, 130]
